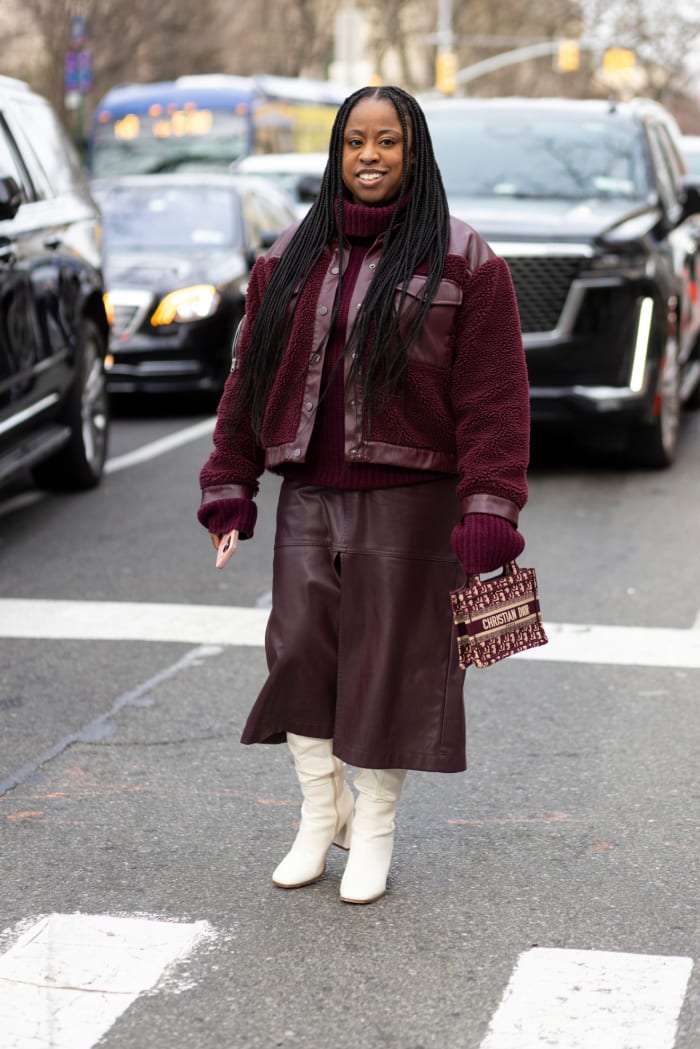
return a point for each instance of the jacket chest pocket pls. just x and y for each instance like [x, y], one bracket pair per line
[436, 337]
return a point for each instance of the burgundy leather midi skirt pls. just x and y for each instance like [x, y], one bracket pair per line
[360, 643]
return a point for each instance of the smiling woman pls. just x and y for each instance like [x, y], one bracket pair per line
[380, 371]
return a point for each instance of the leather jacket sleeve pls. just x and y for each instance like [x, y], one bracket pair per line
[490, 394]
[237, 458]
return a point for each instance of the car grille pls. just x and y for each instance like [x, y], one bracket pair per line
[541, 285]
[129, 310]
[123, 318]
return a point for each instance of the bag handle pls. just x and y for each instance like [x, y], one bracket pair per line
[509, 568]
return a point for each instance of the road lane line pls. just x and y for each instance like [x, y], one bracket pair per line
[161, 446]
[70, 976]
[100, 726]
[590, 1000]
[225, 625]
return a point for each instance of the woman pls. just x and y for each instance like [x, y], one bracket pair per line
[380, 371]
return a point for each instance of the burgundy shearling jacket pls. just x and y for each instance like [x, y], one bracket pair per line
[464, 408]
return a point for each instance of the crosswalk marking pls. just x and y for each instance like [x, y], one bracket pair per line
[223, 625]
[590, 1000]
[70, 976]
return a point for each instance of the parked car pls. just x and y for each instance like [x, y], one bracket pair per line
[178, 250]
[591, 205]
[299, 174]
[54, 410]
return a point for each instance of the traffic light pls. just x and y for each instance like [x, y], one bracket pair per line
[568, 56]
[446, 72]
[618, 60]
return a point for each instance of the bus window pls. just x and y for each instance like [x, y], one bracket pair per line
[208, 122]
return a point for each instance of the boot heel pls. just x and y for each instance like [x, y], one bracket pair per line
[344, 835]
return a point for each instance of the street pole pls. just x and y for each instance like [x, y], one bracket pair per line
[445, 36]
[446, 59]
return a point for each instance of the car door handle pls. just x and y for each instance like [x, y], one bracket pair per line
[52, 242]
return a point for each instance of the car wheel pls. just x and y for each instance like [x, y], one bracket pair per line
[80, 463]
[654, 445]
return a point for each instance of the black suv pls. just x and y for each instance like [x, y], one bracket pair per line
[53, 327]
[591, 205]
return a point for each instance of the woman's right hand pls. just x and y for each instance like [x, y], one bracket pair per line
[225, 546]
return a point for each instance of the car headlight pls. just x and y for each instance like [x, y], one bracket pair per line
[109, 308]
[186, 304]
[632, 229]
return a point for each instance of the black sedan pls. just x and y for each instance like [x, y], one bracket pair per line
[178, 250]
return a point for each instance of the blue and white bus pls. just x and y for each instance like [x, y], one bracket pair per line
[208, 121]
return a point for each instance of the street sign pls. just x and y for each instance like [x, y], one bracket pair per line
[78, 30]
[70, 71]
[84, 70]
[77, 71]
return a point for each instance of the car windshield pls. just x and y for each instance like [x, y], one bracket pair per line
[140, 217]
[524, 154]
[139, 145]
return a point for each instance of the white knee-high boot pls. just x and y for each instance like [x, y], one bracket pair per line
[364, 880]
[326, 812]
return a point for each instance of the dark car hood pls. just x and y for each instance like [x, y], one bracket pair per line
[545, 219]
[161, 271]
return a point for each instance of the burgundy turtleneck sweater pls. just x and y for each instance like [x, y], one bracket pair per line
[325, 463]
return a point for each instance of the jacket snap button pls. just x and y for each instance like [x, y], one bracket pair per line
[373, 265]
[296, 453]
[335, 269]
[308, 406]
[323, 310]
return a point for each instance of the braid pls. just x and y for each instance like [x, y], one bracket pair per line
[416, 236]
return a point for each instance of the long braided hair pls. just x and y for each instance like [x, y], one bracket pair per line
[417, 235]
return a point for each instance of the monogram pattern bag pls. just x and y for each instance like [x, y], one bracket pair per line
[497, 617]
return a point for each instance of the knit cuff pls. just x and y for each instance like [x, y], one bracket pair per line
[224, 515]
[485, 542]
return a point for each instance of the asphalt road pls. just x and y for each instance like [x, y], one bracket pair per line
[124, 790]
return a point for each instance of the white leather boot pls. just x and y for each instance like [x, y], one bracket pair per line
[364, 880]
[326, 813]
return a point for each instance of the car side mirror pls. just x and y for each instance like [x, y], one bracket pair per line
[308, 188]
[10, 197]
[691, 196]
[268, 238]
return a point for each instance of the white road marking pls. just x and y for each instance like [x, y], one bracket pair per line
[224, 625]
[70, 976]
[116, 621]
[119, 462]
[590, 1000]
[161, 446]
[624, 646]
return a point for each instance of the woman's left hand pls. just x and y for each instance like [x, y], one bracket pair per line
[484, 542]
